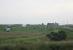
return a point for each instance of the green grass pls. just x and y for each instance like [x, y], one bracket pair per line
[33, 39]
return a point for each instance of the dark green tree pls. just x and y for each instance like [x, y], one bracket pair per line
[57, 36]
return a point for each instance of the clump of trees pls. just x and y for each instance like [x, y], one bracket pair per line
[57, 36]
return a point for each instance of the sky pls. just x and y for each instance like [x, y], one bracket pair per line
[36, 11]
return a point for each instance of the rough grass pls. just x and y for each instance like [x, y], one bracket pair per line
[31, 41]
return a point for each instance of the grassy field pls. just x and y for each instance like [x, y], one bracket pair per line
[20, 37]
[31, 41]
[34, 38]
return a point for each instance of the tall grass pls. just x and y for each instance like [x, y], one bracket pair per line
[38, 46]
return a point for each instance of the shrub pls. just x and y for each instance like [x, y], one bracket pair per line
[57, 36]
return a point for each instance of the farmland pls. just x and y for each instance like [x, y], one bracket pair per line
[34, 38]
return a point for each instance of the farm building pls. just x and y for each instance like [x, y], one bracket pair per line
[52, 24]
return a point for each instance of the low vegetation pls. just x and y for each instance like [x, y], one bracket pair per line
[57, 36]
[34, 38]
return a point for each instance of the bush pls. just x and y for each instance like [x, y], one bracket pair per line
[57, 36]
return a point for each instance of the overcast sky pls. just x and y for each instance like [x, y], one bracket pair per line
[36, 11]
